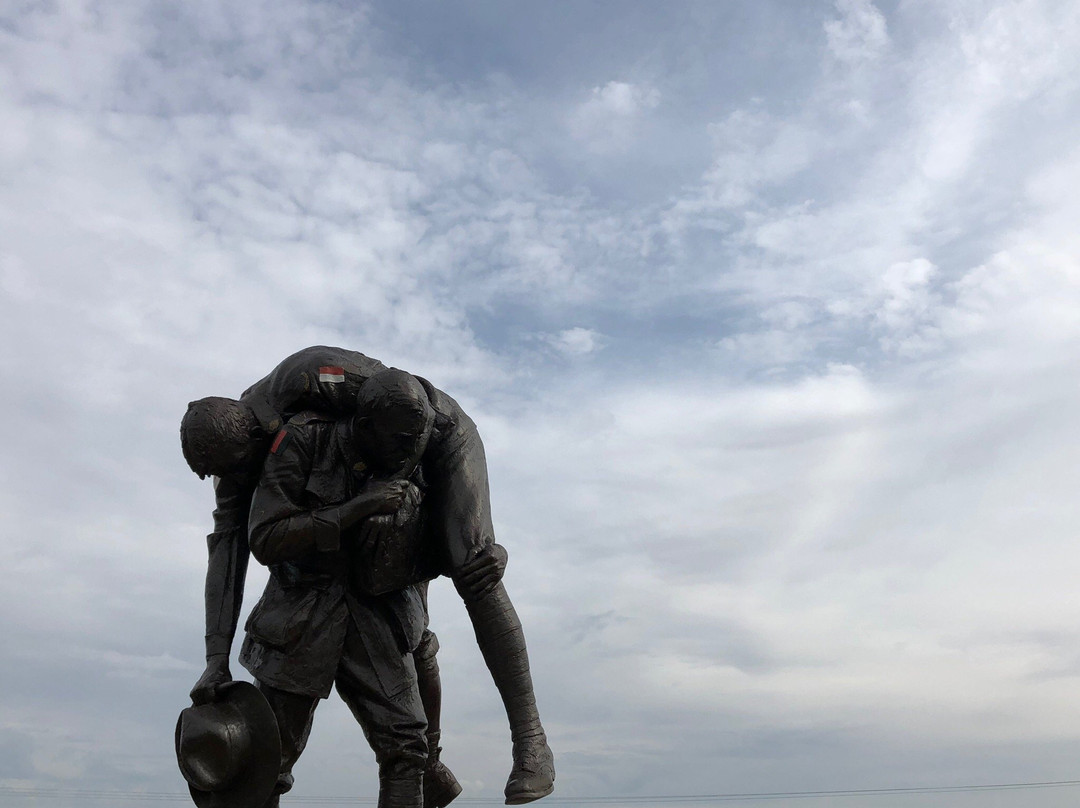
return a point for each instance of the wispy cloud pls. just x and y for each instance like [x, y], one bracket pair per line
[780, 448]
[859, 33]
[606, 120]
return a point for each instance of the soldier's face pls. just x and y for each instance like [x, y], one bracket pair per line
[395, 440]
[219, 459]
[233, 458]
[225, 458]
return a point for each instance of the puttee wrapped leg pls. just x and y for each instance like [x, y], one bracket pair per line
[400, 786]
[441, 787]
[502, 642]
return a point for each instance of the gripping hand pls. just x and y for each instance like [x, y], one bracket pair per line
[483, 573]
[216, 674]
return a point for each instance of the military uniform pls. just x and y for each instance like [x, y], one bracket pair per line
[311, 629]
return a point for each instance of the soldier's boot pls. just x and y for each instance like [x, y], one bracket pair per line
[440, 785]
[533, 775]
[401, 790]
[502, 642]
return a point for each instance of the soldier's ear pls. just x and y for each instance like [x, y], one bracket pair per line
[361, 426]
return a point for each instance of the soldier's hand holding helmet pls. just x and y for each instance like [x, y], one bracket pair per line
[216, 674]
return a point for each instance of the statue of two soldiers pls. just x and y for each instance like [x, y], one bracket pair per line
[355, 484]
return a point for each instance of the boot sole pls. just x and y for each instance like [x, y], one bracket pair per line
[529, 796]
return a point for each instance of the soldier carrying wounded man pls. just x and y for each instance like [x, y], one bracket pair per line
[376, 484]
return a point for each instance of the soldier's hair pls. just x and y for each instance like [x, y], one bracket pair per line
[393, 390]
[394, 401]
[214, 431]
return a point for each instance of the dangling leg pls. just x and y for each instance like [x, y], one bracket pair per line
[464, 512]
[502, 642]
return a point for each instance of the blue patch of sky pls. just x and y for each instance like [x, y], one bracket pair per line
[559, 46]
[673, 336]
[699, 56]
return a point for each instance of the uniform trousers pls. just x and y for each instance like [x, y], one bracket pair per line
[460, 503]
[382, 695]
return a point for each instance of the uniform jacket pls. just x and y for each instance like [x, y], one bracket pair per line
[296, 631]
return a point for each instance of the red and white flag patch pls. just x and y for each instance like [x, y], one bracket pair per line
[331, 373]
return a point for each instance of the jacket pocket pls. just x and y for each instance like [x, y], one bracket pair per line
[281, 615]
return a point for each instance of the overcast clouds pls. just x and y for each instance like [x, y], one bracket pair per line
[768, 313]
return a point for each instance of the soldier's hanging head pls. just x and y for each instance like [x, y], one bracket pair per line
[393, 421]
[219, 436]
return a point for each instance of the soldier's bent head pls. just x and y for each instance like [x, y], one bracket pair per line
[393, 422]
[219, 436]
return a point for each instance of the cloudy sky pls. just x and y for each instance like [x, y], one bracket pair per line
[768, 311]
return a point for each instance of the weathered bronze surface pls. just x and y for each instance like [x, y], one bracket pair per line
[355, 484]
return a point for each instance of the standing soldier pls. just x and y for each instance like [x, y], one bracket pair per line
[314, 626]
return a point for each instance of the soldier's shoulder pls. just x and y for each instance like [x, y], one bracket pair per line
[302, 432]
[310, 417]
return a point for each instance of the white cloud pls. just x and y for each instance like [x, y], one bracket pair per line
[608, 119]
[859, 34]
[908, 300]
[576, 341]
[622, 98]
[754, 151]
[770, 349]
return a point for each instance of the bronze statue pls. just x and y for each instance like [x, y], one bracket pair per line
[401, 448]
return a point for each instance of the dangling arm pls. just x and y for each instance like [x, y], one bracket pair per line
[226, 572]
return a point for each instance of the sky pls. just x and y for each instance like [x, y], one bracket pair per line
[768, 313]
